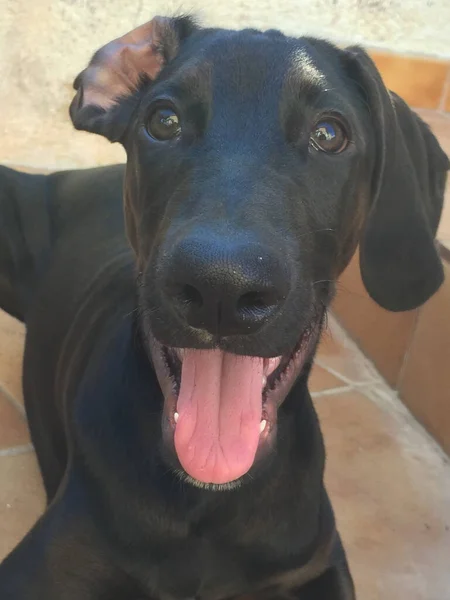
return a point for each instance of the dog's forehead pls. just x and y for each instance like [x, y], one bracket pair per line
[248, 56]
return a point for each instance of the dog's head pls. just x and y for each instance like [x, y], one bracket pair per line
[256, 164]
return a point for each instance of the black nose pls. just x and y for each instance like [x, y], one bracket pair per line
[227, 287]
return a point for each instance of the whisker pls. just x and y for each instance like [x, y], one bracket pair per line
[135, 310]
[323, 281]
[317, 231]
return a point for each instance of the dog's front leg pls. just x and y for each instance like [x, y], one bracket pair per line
[62, 558]
[335, 583]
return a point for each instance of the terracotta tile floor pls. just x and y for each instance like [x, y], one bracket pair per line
[389, 482]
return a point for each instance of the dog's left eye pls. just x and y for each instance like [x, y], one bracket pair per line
[329, 136]
[164, 124]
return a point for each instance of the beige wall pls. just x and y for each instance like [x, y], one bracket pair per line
[45, 43]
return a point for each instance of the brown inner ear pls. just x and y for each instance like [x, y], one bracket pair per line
[116, 69]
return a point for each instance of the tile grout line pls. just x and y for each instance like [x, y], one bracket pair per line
[365, 387]
[405, 359]
[16, 450]
[332, 371]
[347, 342]
[352, 384]
[12, 400]
[445, 92]
[331, 391]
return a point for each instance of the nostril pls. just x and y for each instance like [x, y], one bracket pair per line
[255, 304]
[252, 301]
[190, 296]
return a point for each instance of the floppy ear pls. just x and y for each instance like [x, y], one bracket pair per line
[400, 265]
[107, 88]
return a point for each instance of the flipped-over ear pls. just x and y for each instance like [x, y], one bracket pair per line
[108, 86]
[400, 265]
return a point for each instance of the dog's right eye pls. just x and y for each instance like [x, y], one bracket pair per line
[329, 136]
[164, 124]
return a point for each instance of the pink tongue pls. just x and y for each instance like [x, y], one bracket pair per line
[219, 408]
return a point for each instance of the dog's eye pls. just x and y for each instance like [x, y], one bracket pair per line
[164, 124]
[329, 136]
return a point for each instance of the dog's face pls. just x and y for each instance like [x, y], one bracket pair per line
[254, 161]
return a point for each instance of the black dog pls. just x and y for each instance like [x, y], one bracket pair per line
[179, 447]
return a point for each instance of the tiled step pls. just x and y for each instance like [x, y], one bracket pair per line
[410, 349]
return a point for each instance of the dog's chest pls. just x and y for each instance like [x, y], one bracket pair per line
[202, 569]
[207, 569]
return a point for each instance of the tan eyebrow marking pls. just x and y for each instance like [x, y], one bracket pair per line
[303, 65]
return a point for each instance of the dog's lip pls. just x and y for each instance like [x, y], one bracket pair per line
[272, 371]
[175, 356]
[280, 374]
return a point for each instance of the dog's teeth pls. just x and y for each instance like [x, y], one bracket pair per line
[175, 417]
[264, 381]
[271, 364]
[262, 425]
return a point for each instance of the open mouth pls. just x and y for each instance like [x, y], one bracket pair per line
[221, 407]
